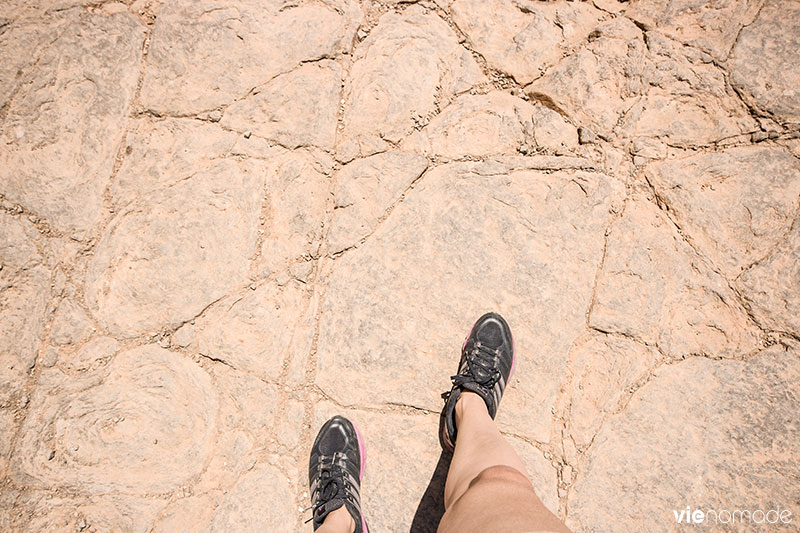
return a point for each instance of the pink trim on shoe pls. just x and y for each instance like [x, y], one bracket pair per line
[362, 452]
[513, 359]
[467, 337]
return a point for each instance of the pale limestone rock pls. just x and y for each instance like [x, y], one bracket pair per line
[162, 261]
[772, 286]
[21, 44]
[763, 63]
[409, 64]
[27, 9]
[48, 357]
[247, 411]
[652, 286]
[709, 26]
[302, 343]
[365, 189]
[793, 145]
[63, 129]
[476, 126]
[601, 371]
[95, 354]
[262, 496]
[24, 298]
[248, 403]
[165, 154]
[688, 102]
[18, 250]
[8, 429]
[736, 205]
[85, 513]
[70, 323]
[648, 148]
[596, 84]
[254, 332]
[183, 336]
[294, 109]
[701, 433]
[186, 515]
[302, 270]
[115, 430]
[297, 192]
[552, 133]
[471, 237]
[206, 55]
[10, 515]
[289, 424]
[611, 6]
[523, 38]
[161, 153]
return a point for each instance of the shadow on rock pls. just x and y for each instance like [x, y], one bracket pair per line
[431, 506]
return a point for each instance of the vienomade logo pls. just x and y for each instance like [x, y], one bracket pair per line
[776, 516]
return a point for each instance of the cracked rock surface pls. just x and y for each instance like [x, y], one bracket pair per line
[223, 222]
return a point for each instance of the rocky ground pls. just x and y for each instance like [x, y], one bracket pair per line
[222, 222]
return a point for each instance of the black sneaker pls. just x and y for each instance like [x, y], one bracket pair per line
[487, 364]
[335, 470]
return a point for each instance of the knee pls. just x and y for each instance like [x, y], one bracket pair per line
[503, 474]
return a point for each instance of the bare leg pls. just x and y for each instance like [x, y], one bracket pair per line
[487, 485]
[338, 521]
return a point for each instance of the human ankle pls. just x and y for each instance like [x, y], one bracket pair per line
[469, 402]
[338, 521]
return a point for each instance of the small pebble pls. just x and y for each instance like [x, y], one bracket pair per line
[247, 134]
[586, 136]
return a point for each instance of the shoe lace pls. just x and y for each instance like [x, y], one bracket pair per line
[331, 484]
[481, 367]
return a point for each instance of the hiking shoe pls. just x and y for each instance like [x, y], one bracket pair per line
[487, 364]
[335, 470]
